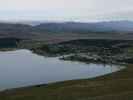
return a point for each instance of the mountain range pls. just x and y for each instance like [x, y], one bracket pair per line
[25, 29]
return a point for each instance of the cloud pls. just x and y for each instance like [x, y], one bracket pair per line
[65, 9]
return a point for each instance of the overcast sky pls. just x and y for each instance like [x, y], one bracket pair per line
[66, 10]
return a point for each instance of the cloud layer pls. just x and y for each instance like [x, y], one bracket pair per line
[81, 10]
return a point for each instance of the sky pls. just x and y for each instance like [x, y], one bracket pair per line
[66, 10]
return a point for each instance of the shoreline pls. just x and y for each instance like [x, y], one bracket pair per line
[112, 81]
[56, 82]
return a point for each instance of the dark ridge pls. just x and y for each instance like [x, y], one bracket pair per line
[98, 42]
[9, 42]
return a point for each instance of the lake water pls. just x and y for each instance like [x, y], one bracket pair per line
[23, 68]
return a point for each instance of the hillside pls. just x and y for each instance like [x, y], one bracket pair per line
[68, 30]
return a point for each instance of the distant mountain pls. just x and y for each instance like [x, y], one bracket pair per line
[15, 30]
[64, 27]
[76, 27]
[30, 29]
[112, 26]
[115, 26]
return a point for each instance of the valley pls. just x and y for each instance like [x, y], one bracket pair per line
[84, 48]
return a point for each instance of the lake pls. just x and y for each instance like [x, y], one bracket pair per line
[23, 68]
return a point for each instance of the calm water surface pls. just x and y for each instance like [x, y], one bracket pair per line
[22, 68]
